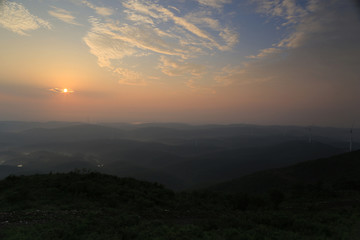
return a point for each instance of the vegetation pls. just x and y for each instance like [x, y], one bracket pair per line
[339, 171]
[89, 205]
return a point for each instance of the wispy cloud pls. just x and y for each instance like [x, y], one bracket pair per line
[204, 18]
[228, 75]
[104, 44]
[15, 17]
[171, 67]
[300, 22]
[63, 15]
[230, 37]
[214, 3]
[182, 26]
[265, 52]
[158, 12]
[109, 41]
[288, 10]
[104, 11]
[321, 48]
[129, 77]
[152, 29]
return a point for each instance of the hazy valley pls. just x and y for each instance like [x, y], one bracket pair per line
[178, 156]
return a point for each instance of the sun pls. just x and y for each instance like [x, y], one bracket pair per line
[65, 91]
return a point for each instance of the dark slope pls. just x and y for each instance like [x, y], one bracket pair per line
[83, 206]
[224, 165]
[78, 190]
[340, 170]
[126, 163]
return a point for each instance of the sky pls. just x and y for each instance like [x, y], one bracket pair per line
[196, 61]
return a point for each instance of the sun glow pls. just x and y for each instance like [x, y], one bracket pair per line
[61, 90]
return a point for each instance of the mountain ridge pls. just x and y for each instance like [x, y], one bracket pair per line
[338, 169]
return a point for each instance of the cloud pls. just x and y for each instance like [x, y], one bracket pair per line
[199, 18]
[184, 28]
[230, 37]
[322, 49]
[129, 77]
[152, 29]
[15, 17]
[182, 39]
[175, 8]
[105, 46]
[265, 53]
[108, 41]
[288, 10]
[174, 68]
[214, 3]
[307, 22]
[63, 15]
[158, 12]
[203, 18]
[103, 11]
[139, 19]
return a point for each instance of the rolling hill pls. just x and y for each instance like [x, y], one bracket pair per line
[180, 156]
[339, 170]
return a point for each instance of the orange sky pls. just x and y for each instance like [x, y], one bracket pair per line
[198, 61]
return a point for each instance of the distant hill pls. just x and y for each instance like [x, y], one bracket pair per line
[334, 171]
[70, 133]
[176, 166]
[18, 126]
[224, 165]
[180, 156]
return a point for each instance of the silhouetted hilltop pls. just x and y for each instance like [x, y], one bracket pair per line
[78, 190]
[231, 163]
[89, 205]
[340, 171]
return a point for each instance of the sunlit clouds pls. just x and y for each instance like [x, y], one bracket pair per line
[152, 29]
[63, 15]
[214, 3]
[172, 67]
[15, 17]
[104, 11]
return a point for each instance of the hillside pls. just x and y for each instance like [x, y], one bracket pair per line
[340, 170]
[89, 205]
[226, 164]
